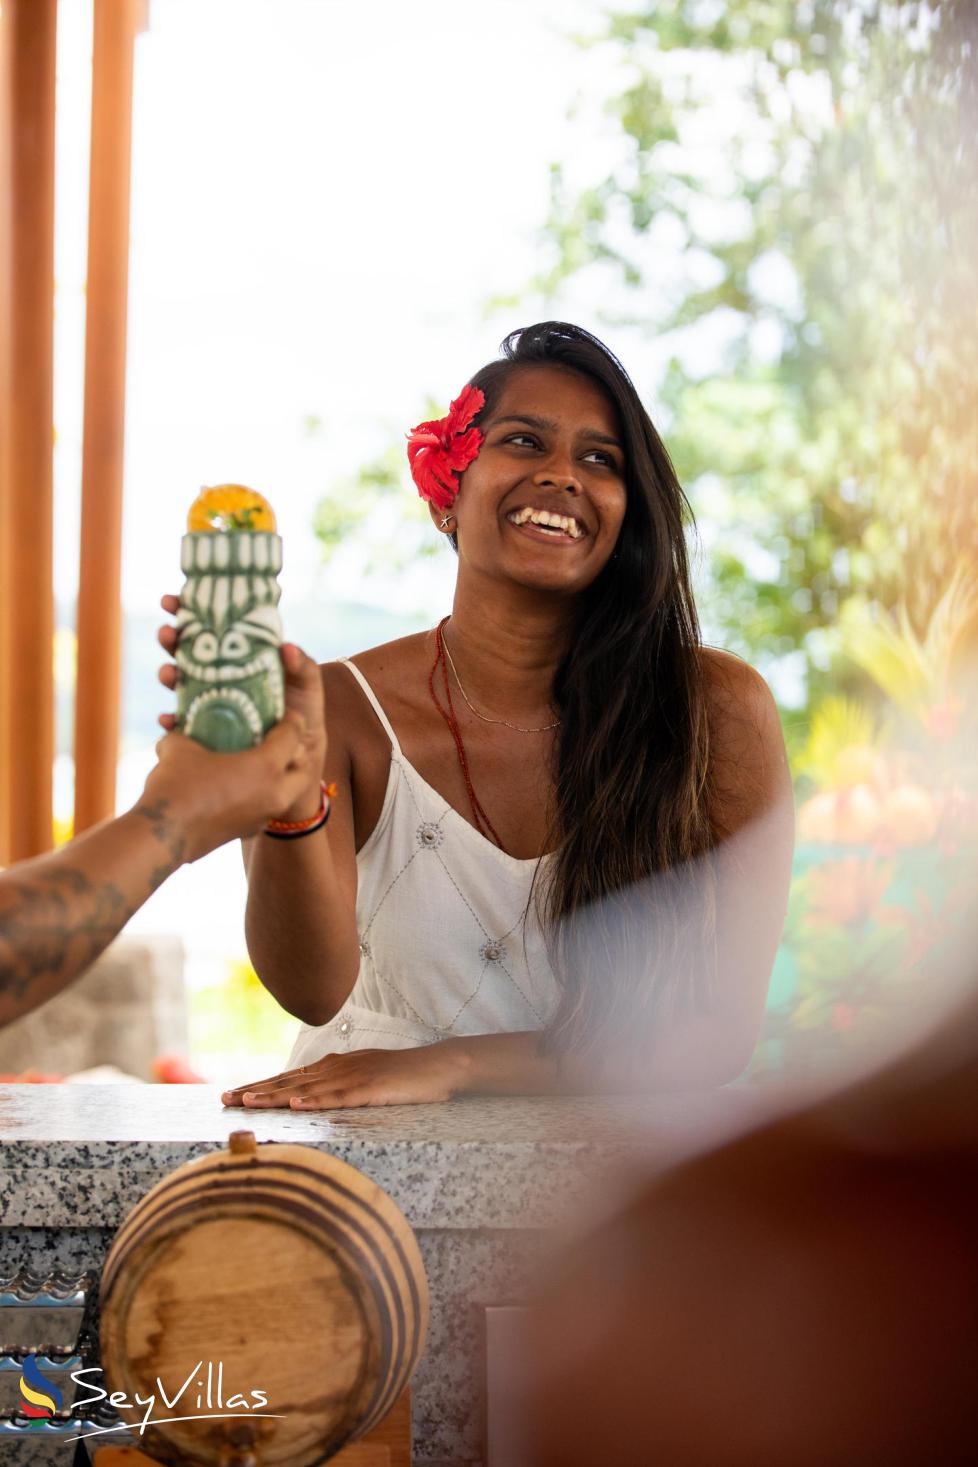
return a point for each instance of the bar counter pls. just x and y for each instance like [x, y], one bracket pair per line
[490, 1186]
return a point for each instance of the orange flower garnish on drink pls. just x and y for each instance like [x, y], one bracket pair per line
[231, 507]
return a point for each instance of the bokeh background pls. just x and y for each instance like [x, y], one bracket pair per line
[768, 210]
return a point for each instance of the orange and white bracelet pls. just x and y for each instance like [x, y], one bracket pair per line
[293, 829]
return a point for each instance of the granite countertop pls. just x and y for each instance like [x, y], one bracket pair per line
[82, 1156]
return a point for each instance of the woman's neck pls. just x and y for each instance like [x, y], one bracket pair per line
[506, 652]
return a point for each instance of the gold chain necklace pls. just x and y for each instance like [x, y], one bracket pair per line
[544, 728]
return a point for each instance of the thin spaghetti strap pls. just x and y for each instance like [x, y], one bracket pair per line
[372, 700]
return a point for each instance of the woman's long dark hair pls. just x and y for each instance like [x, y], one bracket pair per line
[627, 900]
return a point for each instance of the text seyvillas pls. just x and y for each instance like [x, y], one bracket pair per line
[209, 1395]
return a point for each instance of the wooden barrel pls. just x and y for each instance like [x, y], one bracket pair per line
[281, 1288]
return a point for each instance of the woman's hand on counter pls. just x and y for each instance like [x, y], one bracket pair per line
[700, 1053]
[432, 1072]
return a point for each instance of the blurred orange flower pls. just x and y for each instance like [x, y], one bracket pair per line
[847, 891]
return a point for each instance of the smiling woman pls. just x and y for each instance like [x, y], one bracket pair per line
[559, 854]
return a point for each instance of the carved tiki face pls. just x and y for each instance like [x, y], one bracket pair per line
[229, 632]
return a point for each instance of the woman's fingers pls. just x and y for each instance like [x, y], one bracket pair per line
[338, 1082]
[167, 635]
[284, 1078]
[268, 1099]
[314, 1086]
[283, 742]
[316, 1095]
[169, 675]
[303, 682]
[261, 1087]
[167, 721]
[338, 1098]
[299, 668]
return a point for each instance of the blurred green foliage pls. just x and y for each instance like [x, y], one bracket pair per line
[873, 948]
[239, 1016]
[816, 165]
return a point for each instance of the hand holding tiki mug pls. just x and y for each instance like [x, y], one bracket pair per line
[229, 631]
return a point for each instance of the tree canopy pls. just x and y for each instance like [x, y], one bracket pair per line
[818, 165]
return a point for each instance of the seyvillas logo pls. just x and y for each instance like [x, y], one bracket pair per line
[206, 1402]
[39, 1398]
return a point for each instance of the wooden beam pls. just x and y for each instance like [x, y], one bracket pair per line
[27, 94]
[98, 693]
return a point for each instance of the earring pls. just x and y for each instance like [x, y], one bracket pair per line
[444, 521]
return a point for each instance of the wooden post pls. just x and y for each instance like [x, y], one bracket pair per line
[6, 218]
[98, 692]
[27, 89]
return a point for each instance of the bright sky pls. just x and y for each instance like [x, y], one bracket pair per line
[324, 196]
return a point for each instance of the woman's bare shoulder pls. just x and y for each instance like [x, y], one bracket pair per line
[393, 658]
[737, 697]
[380, 659]
[747, 749]
[387, 668]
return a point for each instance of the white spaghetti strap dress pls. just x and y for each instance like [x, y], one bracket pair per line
[449, 941]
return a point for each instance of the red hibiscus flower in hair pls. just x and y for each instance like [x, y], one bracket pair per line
[438, 452]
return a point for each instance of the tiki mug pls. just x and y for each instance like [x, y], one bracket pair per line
[230, 691]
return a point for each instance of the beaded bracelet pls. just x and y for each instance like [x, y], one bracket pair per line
[295, 829]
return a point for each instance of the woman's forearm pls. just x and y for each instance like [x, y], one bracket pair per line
[695, 1056]
[698, 1052]
[300, 925]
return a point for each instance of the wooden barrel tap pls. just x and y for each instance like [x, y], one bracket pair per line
[274, 1295]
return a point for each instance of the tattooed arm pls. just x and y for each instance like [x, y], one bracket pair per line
[58, 912]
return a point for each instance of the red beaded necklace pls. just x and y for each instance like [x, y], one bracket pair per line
[483, 824]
